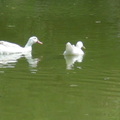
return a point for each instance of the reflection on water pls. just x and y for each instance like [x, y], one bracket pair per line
[9, 61]
[54, 93]
[70, 60]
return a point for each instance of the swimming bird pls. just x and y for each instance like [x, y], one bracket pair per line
[12, 48]
[74, 50]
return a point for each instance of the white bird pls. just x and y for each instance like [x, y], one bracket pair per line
[12, 48]
[74, 50]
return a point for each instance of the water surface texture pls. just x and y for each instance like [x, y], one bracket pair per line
[45, 85]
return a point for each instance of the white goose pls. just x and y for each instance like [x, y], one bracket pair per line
[11, 48]
[74, 50]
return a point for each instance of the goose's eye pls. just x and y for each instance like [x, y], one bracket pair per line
[34, 38]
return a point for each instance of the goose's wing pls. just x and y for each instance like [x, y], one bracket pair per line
[69, 49]
[8, 48]
[8, 44]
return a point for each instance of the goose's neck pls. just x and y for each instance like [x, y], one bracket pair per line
[29, 44]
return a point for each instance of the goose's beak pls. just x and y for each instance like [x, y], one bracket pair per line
[39, 42]
[83, 47]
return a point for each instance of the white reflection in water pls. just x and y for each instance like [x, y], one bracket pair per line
[70, 60]
[9, 61]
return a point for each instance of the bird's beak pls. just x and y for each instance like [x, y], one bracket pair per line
[83, 47]
[39, 42]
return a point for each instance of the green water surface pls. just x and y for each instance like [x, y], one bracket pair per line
[43, 86]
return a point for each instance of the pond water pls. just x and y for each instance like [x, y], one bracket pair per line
[47, 86]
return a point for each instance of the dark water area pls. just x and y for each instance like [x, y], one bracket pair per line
[47, 86]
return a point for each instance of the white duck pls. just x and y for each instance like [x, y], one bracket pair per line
[11, 48]
[74, 50]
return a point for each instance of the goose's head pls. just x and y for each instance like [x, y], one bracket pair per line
[80, 45]
[33, 40]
